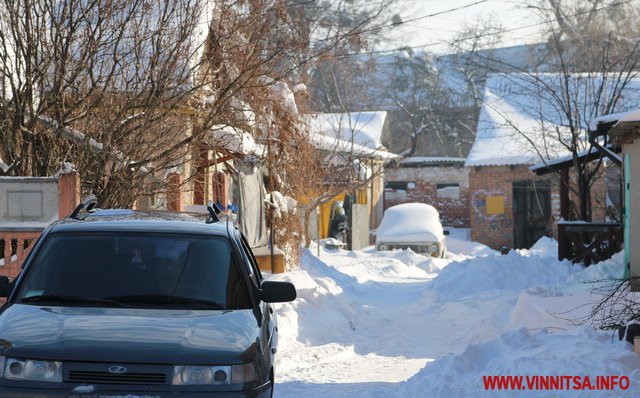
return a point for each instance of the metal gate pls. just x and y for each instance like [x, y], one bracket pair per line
[531, 212]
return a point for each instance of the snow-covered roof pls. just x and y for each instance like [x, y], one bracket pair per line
[616, 118]
[331, 144]
[591, 153]
[363, 128]
[520, 121]
[235, 141]
[420, 160]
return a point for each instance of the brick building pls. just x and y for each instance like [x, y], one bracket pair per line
[439, 181]
[509, 205]
[498, 220]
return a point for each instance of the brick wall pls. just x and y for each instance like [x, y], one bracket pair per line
[496, 230]
[453, 212]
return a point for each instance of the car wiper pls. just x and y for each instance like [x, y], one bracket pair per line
[166, 299]
[56, 298]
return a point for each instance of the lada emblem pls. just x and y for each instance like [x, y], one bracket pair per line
[117, 370]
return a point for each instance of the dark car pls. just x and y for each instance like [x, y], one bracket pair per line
[118, 303]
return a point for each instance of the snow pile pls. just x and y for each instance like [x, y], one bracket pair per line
[460, 247]
[544, 247]
[333, 330]
[496, 273]
[399, 324]
[579, 352]
[603, 271]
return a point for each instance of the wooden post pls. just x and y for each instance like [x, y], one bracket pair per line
[564, 194]
[563, 242]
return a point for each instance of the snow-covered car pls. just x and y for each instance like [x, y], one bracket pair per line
[118, 303]
[414, 226]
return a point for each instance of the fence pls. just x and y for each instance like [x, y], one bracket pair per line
[15, 246]
[588, 243]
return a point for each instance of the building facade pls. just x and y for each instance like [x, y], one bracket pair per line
[440, 182]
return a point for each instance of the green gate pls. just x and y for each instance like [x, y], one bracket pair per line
[625, 220]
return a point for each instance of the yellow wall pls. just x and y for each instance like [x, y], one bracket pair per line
[325, 214]
[325, 209]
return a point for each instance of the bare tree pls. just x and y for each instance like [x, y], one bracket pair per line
[585, 69]
[127, 89]
[595, 51]
[340, 80]
[425, 108]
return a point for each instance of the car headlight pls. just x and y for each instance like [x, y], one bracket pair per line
[214, 375]
[32, 369]
[433, 249]
[383, 247]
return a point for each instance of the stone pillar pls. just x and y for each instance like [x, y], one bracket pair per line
[173, 192]
[69, 193]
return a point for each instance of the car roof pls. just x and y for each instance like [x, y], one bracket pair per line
[125, 220]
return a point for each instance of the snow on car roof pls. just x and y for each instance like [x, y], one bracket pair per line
[410, 222]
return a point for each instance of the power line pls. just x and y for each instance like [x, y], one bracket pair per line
[478, 36]
[396, 24]
[435, 14]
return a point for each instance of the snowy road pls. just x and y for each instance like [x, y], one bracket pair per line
[348, 341]
[398, 324]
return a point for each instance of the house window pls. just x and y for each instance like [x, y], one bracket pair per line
[399, 185]
[448, 191]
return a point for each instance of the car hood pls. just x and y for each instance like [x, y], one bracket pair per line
[129, 335]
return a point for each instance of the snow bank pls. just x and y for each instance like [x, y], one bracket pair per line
[550, 309]
[544, 247]
[399, 324]
[579, 352]
[330, 287]
[461, 247]
[612, 268]
[512, 272]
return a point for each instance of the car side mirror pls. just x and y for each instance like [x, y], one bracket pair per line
[277, 292]
[4, 286]
[446, 232]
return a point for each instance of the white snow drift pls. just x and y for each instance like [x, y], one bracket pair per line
[397, 324]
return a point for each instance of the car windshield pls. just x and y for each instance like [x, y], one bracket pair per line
[135, 270]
